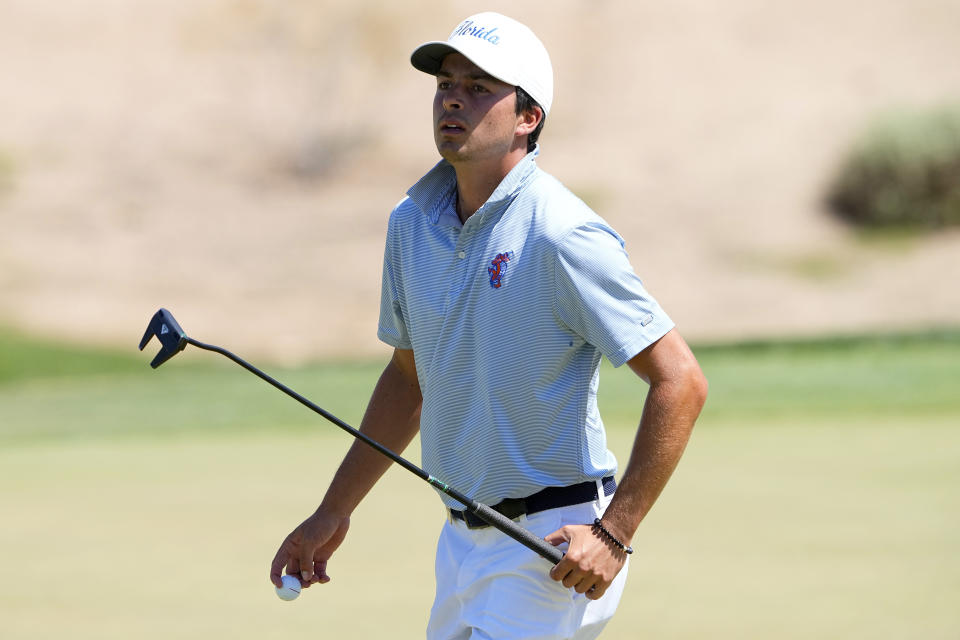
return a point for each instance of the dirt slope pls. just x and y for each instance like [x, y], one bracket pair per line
[235, 160]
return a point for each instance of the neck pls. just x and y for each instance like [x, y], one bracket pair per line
[476, 182]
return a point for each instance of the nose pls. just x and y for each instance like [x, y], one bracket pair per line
[452, 99]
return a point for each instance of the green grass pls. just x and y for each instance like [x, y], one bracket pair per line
[818, 498]
[787, 531]
[54, 391]
[28, 357]
[839, 377]
[51, 391]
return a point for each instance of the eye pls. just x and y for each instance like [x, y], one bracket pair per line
[477, 88]
[443, 84]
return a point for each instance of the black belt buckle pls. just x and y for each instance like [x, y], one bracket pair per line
[512, 508]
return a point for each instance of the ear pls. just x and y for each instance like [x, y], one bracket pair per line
[528, 121]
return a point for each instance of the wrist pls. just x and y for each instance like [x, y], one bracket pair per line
[600, 529]
[333, 506]
[621, 528]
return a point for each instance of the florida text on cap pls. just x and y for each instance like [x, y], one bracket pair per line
[506, 49]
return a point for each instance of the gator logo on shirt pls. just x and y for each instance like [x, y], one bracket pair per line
[498, 268]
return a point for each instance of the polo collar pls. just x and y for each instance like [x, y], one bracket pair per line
[433, 191]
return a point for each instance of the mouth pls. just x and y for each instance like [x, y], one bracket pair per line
[452, 127]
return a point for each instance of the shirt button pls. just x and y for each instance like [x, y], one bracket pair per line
[462, 255]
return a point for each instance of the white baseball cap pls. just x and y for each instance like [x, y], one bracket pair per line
[506, 49]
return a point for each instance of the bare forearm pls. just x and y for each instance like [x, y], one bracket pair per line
[677, 392]
[671, 409]
[393, 419]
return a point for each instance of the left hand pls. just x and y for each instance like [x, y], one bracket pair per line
[590, 563]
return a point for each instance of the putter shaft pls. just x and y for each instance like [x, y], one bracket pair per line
[173, 340]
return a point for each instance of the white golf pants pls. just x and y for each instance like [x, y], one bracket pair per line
[489, 586]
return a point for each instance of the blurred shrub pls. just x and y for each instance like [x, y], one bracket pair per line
[904, 171]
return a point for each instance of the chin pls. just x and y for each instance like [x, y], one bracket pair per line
[452, 153]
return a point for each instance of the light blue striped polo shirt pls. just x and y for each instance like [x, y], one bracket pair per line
[508, 316]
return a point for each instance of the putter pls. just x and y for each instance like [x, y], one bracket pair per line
[173, 340]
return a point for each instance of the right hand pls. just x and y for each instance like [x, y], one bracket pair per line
[307, 549]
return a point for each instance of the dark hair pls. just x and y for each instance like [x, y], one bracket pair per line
[526, 103]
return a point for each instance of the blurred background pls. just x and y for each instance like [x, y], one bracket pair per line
[236, 160]
[785, 176]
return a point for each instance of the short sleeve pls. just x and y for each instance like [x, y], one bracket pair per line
[601, 298]
[392, 329]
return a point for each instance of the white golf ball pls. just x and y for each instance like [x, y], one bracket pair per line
[290, 589]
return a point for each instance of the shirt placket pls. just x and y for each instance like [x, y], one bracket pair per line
[463, 261]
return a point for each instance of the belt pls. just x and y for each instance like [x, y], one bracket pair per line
[549, 498]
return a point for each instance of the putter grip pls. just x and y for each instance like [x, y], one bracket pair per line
[518, 533]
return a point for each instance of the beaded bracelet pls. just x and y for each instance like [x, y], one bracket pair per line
[611, 537]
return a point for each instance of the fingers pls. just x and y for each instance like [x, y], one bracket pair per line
[596, 592]
[558, 537]
[286, 556]
[320, 571]
[323, 554]
[588, 567]
[334, 542]
[304, 565]
[313, 565]
[307, 549]
[577, 577]
[567, 564]
[592, 584]
[280, 560]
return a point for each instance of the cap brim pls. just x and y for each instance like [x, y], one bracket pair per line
[429, 56]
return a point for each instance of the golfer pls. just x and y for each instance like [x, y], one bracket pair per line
[501, 292]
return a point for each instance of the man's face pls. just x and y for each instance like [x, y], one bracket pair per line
[474, 114]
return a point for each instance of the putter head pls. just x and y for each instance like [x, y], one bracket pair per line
[171, 336]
